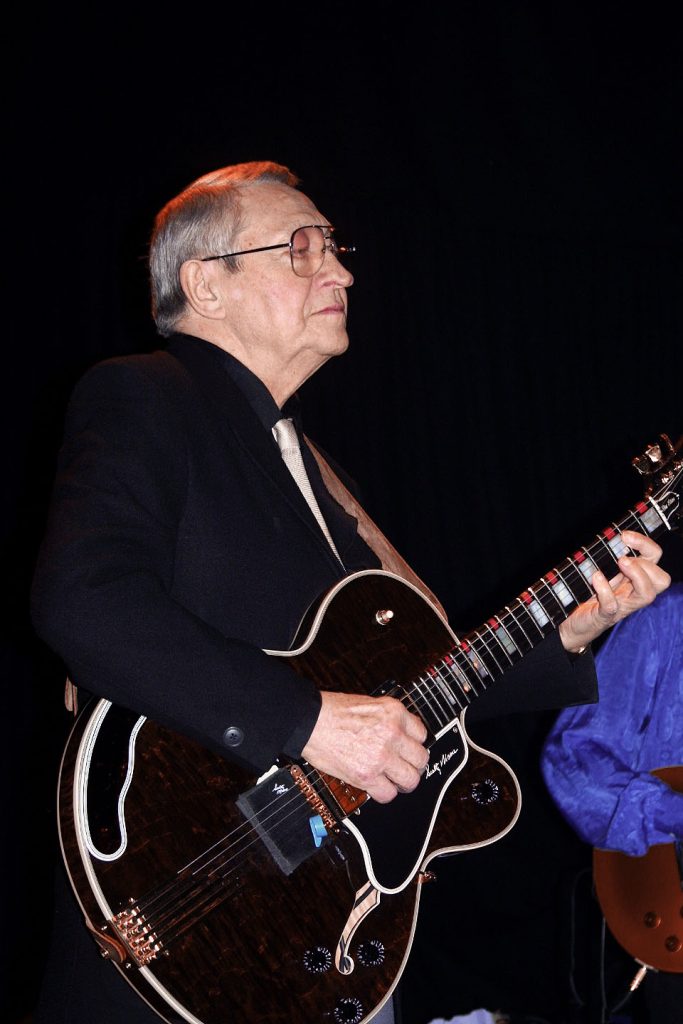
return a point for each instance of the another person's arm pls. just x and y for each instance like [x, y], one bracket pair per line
[598, 758]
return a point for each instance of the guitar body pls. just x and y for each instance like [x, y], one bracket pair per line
[642, 897]
[223, 898]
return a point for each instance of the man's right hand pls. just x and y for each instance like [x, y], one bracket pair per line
[372, 743]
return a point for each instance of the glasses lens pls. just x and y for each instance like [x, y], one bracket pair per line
[308, 250]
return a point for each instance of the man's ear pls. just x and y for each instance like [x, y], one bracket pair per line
[199, 282]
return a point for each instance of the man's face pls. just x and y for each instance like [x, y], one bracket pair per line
[282, 326]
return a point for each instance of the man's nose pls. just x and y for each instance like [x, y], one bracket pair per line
[336, 270]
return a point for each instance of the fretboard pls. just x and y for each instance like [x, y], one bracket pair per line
[483, 655]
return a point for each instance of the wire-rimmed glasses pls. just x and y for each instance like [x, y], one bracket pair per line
[307, 248]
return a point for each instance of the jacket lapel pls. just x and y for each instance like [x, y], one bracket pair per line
[238, 424]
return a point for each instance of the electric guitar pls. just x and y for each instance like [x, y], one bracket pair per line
[641, 898]
[292, 898]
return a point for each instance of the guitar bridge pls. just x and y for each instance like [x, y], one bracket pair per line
[141, 942]
[313, 798]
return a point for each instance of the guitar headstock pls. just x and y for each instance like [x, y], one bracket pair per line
[661, 465]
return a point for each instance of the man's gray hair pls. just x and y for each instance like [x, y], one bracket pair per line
[202, 220]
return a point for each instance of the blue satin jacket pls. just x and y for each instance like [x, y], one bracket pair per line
[598, 758]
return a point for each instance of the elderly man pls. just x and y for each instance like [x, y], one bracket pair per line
[183, 551]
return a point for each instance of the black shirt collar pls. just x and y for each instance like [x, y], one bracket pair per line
[255, 391]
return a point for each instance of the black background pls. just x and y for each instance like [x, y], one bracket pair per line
[510, 174]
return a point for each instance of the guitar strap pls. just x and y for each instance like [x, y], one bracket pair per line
[370, 532]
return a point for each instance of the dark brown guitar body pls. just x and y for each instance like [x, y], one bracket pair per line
[258, 943]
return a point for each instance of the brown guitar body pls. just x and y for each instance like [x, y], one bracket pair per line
[642, 897]
[150, 820]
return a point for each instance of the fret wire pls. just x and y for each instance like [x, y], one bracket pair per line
[426, 705]
[436, 688]
[409, 699]
[450, 669]
[553, 596]
[420, 703]
[633, 517]
[565, 570]
[592, 562]
[540, 603]
[557, 590]
[650, 525]
[488, 650]
[620, 548]
[518, 642]
[574, 582]
[551, 590]
[478, 664]
[495, 633]
[520, 626]
[606, 550]
[443, 685]
[468, 669]
[528, 607]
[507, 632]
[474, 661]
[461, 674]
[578, 576]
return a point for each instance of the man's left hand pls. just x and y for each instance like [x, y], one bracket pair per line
[637, 584]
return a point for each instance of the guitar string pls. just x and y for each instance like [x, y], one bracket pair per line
[185, 898]
[193, 896]
[159, 909]
[174, 898]
[181, 903]
[422, 703]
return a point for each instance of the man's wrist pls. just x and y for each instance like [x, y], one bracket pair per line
[573, 647]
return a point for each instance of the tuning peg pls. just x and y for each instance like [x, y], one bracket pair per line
[655, 456]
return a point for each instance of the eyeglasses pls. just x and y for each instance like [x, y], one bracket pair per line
[307, 248]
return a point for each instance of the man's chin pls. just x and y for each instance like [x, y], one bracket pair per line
[342, 343]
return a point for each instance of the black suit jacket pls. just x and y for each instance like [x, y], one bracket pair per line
[179, 549]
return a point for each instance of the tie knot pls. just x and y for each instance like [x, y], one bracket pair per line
[285, 435]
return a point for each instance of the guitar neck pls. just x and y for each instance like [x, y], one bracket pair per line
[485, 654]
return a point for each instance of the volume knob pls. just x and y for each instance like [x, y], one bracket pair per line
[371, 953]
[317, 960]
[349, 1011]
[485, 792]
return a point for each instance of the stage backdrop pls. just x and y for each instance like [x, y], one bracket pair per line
[511, 179]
